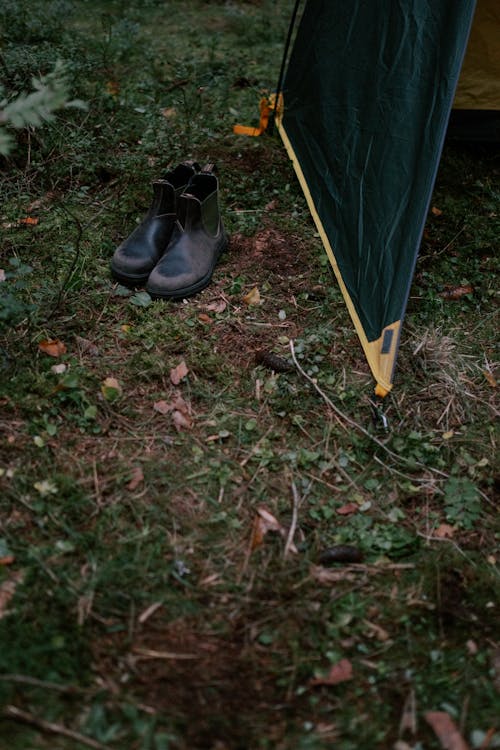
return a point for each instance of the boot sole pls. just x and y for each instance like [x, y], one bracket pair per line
[130, 280]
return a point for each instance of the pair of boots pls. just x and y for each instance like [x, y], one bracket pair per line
[175, 248]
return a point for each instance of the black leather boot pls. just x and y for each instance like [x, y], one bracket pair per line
[197, 241]
[133, 260]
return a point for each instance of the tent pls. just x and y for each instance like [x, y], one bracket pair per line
[363, 106]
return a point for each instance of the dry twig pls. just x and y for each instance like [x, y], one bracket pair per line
[12, 712]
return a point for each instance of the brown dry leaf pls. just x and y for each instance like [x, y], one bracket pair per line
[444, 531]
[38, 202]
[487, 374]
[181, 414]
[29, 221]
[86, 346]
[218, 306]
[446, 731]
[408, 722]
[380, 633]
[162, 407]
[348, 509]
[8, 589]
[7, 560]
[52, 347]
[112, 88]
[137, 477]
[181, 421]
[339, 672]
[178, 373]
[436, 211]
[3, 275]
[271, 206]
[456, 292]
[204, 318]
[252, 297]
[169, 112]
[263, 523]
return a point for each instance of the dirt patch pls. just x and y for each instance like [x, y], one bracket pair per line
[209, 687]
[268, 253]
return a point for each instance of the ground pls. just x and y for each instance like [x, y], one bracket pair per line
[177, 478]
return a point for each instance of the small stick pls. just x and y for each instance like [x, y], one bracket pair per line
[22, 679]
[147, 653]
[11, 712]
[293, 525]
[339, 413]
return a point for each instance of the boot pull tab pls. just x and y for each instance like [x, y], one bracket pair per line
[192, 164]
[209, 168]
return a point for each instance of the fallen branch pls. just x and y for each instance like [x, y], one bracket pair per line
[21, 679]
[11, 712]
[293, 525]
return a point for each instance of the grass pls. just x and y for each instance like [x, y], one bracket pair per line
[137, 609]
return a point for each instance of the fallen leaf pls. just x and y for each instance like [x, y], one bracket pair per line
[444, 531]
[2, 275]
[339, 672]
[178, 373]
[348, 509]
[181, 414]
[112, 88]
[380, 633]
[271, 206]
[38, 202]
[408, 722]
[162, 407]
[446, 731]
[8, 589]
[169, 112]
[218, 306]
[86, 346]
[45, 487]
[137, 477]
[7, 560]
[436, 211]
[487, 374]
[263, 523]
[59, 369]
[52, 347]
[472, 647]
[456, 292]
[111, 389]
[30, 221]
[141, 299]
[252, 297]
[181, 420]
[204, 318]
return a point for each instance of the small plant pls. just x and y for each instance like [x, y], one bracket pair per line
[12, 283]
[31, 110]
[462, 502]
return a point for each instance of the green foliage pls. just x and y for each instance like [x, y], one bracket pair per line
[13, 282]
[462, 502]
[31, 110]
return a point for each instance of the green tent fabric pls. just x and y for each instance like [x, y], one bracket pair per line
[364, 106]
